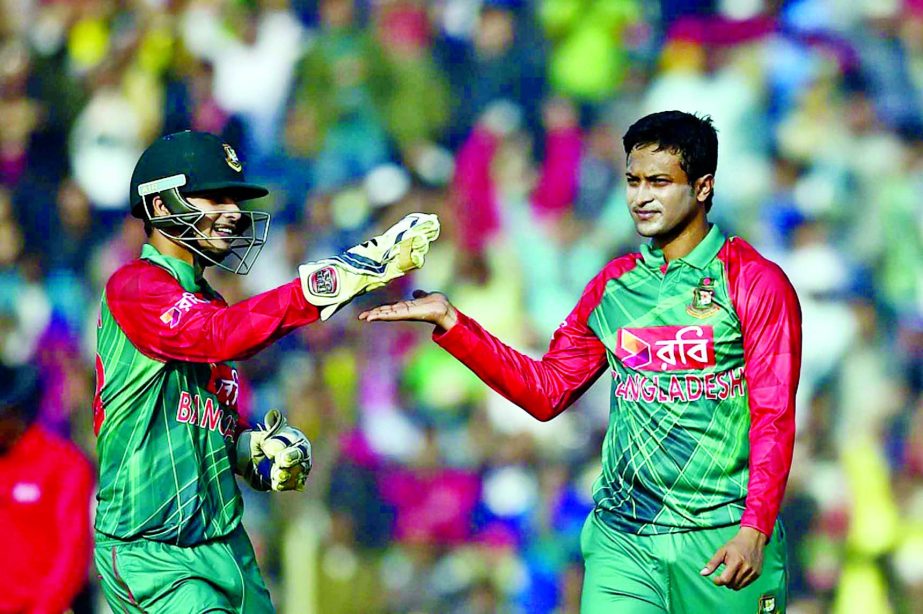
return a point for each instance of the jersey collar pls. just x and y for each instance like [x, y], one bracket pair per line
[699, 257]
[184, 272]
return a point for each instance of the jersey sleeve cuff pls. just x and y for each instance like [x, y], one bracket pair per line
[458, 340]
[761, 526]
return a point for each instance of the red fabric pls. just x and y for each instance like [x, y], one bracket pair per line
[142, 296]
[720, 31]
[556, 190]
[474, 193]
[45, 490]
[546, 387]
[432, 507]
[771, 325]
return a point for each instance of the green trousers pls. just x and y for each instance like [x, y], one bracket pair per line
[153, 577]
[640, 574]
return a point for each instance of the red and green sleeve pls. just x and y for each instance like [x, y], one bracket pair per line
[546, 387]
[770, 319]
[165, 322]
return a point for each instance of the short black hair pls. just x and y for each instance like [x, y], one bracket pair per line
[691, 137]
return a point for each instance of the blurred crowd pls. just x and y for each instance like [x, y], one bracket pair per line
[431, 494]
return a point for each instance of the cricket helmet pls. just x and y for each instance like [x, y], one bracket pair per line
[189, 163]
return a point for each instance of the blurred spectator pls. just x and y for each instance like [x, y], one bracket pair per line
[588, 59]
[19, 114]
[500, 59]
[341, 84]
[253, 63]
[416, 101]
[106, 141]
[556, 189]
[46, 484]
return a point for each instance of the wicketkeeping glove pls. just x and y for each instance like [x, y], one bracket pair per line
[332, 282]
[274, 456]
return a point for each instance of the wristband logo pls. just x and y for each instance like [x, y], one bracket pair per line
[666, 348]
[323, 282]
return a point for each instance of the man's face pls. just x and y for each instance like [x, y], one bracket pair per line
[222, 215]
[660, 199]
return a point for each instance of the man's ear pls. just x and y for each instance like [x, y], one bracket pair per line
[158, 207]
[704, 187]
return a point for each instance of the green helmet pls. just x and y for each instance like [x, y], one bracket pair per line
[190, 163]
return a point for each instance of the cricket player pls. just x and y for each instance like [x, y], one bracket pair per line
[702, 339]
[168, 524]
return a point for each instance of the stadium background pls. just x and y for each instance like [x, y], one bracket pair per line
[429, 493]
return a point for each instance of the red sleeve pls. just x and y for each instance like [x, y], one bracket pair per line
[546, 387]
[770, 319]
[167, 323]
[68, 571]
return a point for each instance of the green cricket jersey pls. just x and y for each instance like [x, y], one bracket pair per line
[703, 354]
[165, 411]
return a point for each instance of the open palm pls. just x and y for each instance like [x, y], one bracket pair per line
[425, 307]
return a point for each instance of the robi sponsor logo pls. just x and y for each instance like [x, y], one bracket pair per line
[174, 314]
[666, 348]
[207, 415]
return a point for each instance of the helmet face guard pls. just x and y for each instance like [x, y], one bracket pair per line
[181, 226]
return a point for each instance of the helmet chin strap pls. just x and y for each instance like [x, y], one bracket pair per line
[180, 225]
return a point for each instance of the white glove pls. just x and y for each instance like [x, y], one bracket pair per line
[275, 456]
[332, 282]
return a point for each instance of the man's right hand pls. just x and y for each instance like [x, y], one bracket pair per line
[425, 307]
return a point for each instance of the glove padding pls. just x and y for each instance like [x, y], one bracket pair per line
[274, 456]
[332, 282]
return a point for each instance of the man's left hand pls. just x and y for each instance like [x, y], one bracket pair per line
[274, 456]
[742, 558]
[289, 451]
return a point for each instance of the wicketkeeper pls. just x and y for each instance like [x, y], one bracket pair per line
[168, 526]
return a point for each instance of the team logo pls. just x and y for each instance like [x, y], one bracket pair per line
[767, 604]
[666, 348]
[174, 314]
[703, 300]
[230, 156]
[323, 282]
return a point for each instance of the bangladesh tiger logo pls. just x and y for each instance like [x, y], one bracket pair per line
[767, 604]
[703, 300]
[230, 156]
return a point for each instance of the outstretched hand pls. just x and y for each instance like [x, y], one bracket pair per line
[425, 307]
[742, 558]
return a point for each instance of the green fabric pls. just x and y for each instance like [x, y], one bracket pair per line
[675, 456]
[588, 59]
[656, 574]
[153, 577]
[162, 478]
